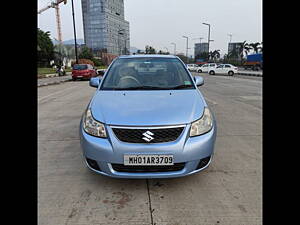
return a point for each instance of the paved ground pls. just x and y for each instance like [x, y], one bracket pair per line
[250, 72]
[53, 80]
[228, 192]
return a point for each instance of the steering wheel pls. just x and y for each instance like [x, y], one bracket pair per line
[131, 78]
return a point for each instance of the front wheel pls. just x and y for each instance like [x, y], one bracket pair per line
[199, 71]
[230, 73]
[212, 72]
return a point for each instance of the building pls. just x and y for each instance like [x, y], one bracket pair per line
[105, 27]
[200, 48]
[235, 49]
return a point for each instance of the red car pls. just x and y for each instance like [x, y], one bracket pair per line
[83, 71]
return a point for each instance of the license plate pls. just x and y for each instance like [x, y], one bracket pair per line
[79, 76]
[148, 160]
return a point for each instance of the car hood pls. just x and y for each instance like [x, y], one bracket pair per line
[147, 108]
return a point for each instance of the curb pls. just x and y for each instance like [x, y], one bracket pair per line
[250, 74]
[53, 83]
[53, 75]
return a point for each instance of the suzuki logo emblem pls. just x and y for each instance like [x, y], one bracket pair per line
[148, 136]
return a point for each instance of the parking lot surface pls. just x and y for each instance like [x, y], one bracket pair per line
[228, 192]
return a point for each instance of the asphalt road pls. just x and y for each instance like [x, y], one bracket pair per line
[228, 192]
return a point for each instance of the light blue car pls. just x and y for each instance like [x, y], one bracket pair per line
[147, 119]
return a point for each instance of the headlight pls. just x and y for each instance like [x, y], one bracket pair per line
[202, 125]
[93, 127]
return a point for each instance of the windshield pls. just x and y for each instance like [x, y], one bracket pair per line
[147, 73]
[79, 67]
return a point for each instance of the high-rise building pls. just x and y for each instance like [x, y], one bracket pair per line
[234, 49]
[200, 48]
[105, 27]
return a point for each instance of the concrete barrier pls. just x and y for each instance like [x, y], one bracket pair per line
[255, 74]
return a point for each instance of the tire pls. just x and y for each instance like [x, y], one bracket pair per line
[230, 73]
[73, 79]
[212, 72]
[199, 71]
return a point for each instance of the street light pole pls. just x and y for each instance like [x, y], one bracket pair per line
[125, 49]
[74, 33]
[174, 47]
[187, 47]
[119, 47]
[230, 35]
[208, 34]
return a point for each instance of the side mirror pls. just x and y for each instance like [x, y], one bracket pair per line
[101, 72]
[199, 80]
[95, 81]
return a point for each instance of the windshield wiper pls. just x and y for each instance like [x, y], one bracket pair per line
[183, 86]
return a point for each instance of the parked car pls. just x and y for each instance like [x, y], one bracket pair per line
[83, 71]
[206, 67]
[224, 69]
[192, 67]
[144, 123]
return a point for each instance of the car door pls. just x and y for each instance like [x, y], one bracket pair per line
[219, 69]
[227, 68]
[205, 68]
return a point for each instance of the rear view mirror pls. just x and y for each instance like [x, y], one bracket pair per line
[95, 81]
[199, 80]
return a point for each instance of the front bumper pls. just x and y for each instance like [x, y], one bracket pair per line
[108, 151]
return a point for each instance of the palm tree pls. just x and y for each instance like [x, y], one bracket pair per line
[261, 47]
[216, 54]
[244, 48]
[255, 46]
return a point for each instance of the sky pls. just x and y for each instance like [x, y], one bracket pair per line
[158, 23]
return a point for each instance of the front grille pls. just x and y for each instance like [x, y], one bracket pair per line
[151, 136]
[145, 169]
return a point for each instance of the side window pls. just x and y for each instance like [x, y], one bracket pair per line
[221, 66]
[227, 66]
[212, 65]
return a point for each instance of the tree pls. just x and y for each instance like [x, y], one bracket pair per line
[244, 48]
[86, 53]
[255, 47]
[45, 48]
[83, 61]
[261, 47]
[183, 58]
[214, 55]
[150, 50]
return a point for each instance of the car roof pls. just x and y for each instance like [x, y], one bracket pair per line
[147, 55]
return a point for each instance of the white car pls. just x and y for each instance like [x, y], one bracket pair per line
[206, 67]
[224, 69]
[192, 67]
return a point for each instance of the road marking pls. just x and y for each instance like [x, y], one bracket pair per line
[55, 93]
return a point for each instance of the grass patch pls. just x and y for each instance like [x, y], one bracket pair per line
[42, 71]
[101, 67]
